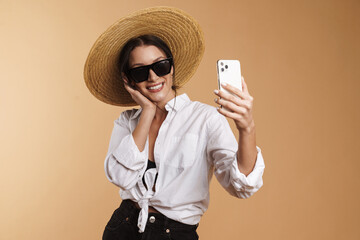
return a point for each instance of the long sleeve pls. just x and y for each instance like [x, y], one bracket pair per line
[124, 163]
[221, 150]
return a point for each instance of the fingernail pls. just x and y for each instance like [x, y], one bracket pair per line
[215, 100]
[216, 91]
[224, 84]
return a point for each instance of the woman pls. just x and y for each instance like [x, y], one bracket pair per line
[162, 155]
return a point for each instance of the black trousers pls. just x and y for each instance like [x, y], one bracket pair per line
[123, 226]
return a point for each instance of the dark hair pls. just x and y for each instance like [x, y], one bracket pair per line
[143, 40]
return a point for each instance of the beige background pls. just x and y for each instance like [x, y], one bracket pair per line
[301, 62]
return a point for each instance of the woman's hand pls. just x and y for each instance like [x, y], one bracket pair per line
[141, 131]
[237, 108]
[140, 99]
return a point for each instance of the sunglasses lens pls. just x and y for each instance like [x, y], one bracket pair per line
[139, 74]
[162, 68]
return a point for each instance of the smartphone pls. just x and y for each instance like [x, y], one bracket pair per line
[228, 71]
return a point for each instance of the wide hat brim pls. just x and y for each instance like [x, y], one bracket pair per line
[176, 28]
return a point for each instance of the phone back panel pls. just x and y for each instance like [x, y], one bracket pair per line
[229, 72]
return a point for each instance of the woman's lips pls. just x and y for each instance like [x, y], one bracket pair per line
[155, 88]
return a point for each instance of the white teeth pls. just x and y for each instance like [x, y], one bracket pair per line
[156, 87]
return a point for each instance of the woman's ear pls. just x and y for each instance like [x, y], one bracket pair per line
[172, 71]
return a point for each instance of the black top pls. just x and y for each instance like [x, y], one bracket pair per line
[150, 165]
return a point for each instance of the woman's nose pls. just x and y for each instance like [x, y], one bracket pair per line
[152, 75]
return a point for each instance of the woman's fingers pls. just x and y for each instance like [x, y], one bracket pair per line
[227, 96]
[236, 104]
[138, 97]
[236, 91]
[229, 114]
[244, 86]
[128, 88]
[238, 100]
[240, 106]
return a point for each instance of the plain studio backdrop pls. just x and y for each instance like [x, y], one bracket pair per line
[301, 61]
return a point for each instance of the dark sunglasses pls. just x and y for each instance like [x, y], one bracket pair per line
[141, 74]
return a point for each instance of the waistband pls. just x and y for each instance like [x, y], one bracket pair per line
[155, 220]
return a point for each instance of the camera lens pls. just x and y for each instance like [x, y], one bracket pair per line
[226, 66]
[222, 69]
[221, 63]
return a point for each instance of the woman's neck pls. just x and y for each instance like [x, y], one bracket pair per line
[160, 113]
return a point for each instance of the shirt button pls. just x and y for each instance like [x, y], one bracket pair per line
[152, 219]
[167, 230]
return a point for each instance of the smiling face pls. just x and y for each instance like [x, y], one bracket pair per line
[157, 89]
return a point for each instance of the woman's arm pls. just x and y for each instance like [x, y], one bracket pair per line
[124, 163]
[126, 156]
[141, 131]
[222, 152]
[241, 112]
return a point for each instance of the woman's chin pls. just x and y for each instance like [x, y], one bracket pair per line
[159, 98]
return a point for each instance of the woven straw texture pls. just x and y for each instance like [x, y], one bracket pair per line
[178, 29]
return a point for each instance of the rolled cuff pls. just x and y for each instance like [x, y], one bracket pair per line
[245, 186]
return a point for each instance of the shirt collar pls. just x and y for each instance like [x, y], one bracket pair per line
[137, 113]
[177, 103]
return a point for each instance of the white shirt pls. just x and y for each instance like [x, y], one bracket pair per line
[193, 142]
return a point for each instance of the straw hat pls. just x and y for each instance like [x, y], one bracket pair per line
[176, 28]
